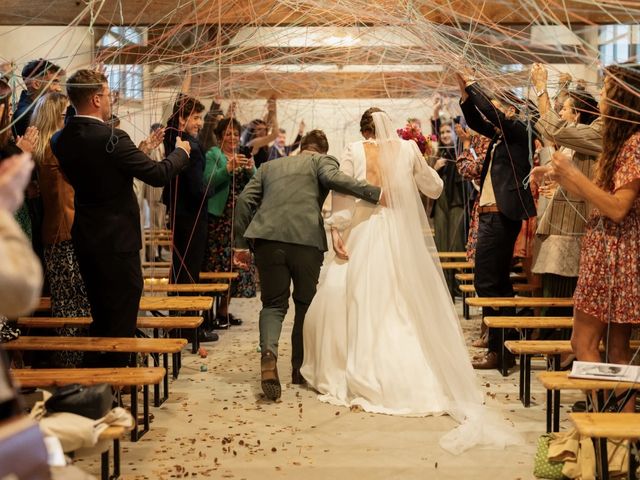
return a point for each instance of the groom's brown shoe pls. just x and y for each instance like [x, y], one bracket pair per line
[270, 381]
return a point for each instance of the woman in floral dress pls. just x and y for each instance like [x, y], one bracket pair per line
[227, 172]
[607, 298]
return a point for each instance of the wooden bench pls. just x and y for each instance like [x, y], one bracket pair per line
[155, 304]
[166, 324]
[103, 344]
[551, 349]
[517, 302]
[186, 287]
[517, 287]
[520, 302]
[603, 426]
[555, 382]
[468, 277]
[457, 265]
[218, 276]
[526, 325]
[452, 255]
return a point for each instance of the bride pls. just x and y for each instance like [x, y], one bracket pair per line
[382, 332]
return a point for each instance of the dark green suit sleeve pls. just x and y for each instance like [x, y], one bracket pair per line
[246, 204]
[331, 177]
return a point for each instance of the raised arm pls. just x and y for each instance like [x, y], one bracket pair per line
[272, 123]
[157, 174]
[585, 139]
[614, 205]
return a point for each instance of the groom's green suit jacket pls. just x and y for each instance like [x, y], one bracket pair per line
[283, 201]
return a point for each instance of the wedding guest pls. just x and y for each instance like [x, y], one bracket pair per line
[20, 270]
[227, 173]
[100, 163]
[279, 148]
[260, 133]
[577, 131]
[40, 77]
[607, 297]
[504, 202]
[68, 293]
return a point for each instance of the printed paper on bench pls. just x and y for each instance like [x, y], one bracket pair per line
[605, 371]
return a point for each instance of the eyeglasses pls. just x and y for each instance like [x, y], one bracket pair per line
[113, 96]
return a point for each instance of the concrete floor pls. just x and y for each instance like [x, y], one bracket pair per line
[216, 424]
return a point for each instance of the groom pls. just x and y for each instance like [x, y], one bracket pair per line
[289, 241]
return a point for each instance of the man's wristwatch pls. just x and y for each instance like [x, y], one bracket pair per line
[539, 93]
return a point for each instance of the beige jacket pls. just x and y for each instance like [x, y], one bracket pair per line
[566, 212]
[20, 270]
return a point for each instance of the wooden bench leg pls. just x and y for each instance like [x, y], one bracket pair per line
[525, 372]
[137, 433]
[116, 458]
[465, 307]
[633, 463]
[165, 379]
[105, 467]
[503, 360]
[553, 398]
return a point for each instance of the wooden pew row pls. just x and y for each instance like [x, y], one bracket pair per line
[551, 349]
[462, 255]
[615, 426]
[468, 277]
[555, 382]
[156, 304]
[517, 302]
[526, 325]
[517, 287]
[100, 344]
[167, 324]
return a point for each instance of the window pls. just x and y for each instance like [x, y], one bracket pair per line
[126, 80]
[618, 43]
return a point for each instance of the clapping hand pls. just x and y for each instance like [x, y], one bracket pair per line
[440, 163]
[27, 142]
[15, 173]
[153, 141]
[464, 134]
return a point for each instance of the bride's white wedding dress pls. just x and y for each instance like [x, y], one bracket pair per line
[382, 331]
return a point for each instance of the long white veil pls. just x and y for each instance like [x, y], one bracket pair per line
[428, 299]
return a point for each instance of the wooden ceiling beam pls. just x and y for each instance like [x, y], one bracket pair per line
[310, 85]
[333, 12]
[500, 53]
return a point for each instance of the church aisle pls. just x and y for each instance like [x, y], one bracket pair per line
[216, 424]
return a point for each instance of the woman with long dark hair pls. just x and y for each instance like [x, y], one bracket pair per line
[607, 297]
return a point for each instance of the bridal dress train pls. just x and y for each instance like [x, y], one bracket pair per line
[382, 332]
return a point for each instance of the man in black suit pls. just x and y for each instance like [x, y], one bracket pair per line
[504, 202]
[100, 163]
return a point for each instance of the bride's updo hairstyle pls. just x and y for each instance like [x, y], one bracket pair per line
[367, 127]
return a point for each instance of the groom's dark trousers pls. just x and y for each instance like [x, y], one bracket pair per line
[279, 264]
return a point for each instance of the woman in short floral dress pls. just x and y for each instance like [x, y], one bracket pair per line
[607, 298]
[228, 172]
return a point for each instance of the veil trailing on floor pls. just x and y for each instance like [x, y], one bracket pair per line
[423, 285]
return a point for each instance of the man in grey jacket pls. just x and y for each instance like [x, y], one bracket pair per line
[289, 241]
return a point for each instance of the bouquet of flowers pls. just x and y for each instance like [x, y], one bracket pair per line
[411, 131]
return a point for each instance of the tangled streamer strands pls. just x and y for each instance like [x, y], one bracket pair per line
[331, 48]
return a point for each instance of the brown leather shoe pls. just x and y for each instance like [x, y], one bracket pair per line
[270, 381]
[491, 361]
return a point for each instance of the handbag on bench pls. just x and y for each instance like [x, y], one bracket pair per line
[92, 402]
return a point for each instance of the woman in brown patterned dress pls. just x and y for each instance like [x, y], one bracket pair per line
[607, 298]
